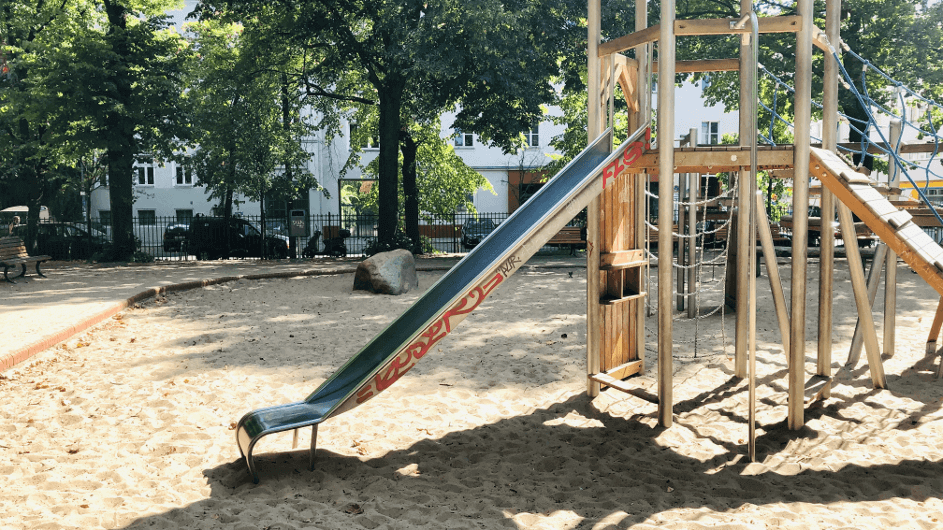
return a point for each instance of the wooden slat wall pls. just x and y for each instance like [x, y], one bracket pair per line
[617, 232]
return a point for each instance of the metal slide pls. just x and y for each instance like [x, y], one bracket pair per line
[400, 346]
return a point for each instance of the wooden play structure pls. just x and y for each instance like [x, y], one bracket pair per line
[612, 184]
[616, 234]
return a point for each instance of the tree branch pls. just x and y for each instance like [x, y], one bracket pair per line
[315, 90]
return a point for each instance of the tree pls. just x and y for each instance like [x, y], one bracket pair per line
[136, 102]
[249, 122]
[33, 36]
[413, 60]
[429, 163]
[85, 75]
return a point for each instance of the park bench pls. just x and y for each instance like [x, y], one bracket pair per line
[574, 236]
[13, 253]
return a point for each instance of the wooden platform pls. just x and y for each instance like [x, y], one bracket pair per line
[718, 159]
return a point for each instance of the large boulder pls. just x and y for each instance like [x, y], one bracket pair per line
[391, 272]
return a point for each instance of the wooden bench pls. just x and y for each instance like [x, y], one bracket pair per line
[574, 236]
[13, 253]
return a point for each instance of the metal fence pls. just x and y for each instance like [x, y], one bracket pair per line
[169, 238]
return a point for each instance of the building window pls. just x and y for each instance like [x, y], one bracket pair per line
[371, 141]
[532, 137]
[463, 139]
[144, 172]
[147, 217]
[184, 173]
[709, 133]
[184, 216]
[104, 217]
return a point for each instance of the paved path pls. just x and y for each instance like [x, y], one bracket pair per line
[37, 313]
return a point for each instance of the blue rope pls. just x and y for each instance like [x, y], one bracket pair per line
[868, 104]
[896, 156]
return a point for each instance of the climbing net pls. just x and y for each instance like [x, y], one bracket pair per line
[702, 289]
[919, 117]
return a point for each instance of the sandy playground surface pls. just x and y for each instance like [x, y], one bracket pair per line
[130, 425]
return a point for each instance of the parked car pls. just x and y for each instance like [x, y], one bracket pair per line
[175, 237]
[275, 227]
[65, 241]
[207, 239]
[474, 230]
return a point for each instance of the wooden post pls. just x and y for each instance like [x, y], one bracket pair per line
[874, 280]
[594, 129]
[694, 182]
[682, 241]
[666, 121]
[860, 289]
[823, 366]
[890, 282]
[750, 218]
[644, 91]
[800, 208]
[746, 242]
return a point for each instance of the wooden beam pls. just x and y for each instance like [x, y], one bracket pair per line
[874, 280]
[716, 26]
[772, 271]
[717, 159]
[621, 259]
[622, 386]
[620, 44]
[627, 77]
[705, 65]
[819, 38]
[724, 26]
[860, 288]
[625, 370]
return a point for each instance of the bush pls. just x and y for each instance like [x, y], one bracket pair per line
[400, 240]
[109, 255]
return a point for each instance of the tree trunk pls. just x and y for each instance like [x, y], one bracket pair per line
[289, 176]
[410, 190]
[121, 193]
[263, 251]
[122, 144]
[391, 100]
[850, 105]
[227, 218]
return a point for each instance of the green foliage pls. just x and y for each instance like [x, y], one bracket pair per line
[574, 139]
[413, 60]
[81, 75]
[895, 36]
[447, 180]
[400, 240]
[250, 127]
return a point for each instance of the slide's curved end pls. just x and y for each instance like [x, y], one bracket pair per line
[260, 423]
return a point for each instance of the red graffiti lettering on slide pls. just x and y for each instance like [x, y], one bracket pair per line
[630, 155]
[410, 355]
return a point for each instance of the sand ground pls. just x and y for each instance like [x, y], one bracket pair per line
[130, 424]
